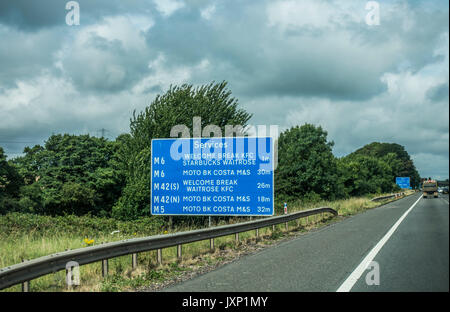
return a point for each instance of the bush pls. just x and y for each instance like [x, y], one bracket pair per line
[19, 223]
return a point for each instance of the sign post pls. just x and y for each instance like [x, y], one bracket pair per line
[285, 212]
[212, 176]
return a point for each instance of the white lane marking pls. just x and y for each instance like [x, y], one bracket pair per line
[444, 200]
[356, 274]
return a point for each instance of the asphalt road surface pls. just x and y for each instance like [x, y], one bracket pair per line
[408, 239]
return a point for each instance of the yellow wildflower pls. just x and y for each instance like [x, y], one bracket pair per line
[88, 241]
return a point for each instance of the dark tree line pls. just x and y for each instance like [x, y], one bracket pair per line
[307, 168]
[68, 175]
[81, 174]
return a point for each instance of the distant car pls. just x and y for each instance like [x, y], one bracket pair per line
[445, 190]
[440, 190]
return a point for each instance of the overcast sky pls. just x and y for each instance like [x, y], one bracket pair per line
[287, 62]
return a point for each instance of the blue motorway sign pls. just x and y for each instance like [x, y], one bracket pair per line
[403, 182]
[212, 176]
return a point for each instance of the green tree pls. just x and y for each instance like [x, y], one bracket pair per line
[73, 174]
[213, 103]
[404, 168]
[10, 183]
[31, 199]
[362, 174]
[306, 165]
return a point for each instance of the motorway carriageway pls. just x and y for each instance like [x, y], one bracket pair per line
[408, 239]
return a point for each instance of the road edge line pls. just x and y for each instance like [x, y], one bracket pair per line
[348, 284]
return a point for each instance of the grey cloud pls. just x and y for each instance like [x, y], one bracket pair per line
[439, 93]
[303, 61]
[32, 16]
[104, 66]
[25, 55]
[430, 165]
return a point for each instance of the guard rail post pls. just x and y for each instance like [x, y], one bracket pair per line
[104, 267]
[159, 256]
[179, 252]
[68, 275]
[26, 284]
[134, 261]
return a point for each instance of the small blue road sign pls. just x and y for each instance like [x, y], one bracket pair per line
[403, 182]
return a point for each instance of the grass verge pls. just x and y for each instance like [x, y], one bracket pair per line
[16, 244]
